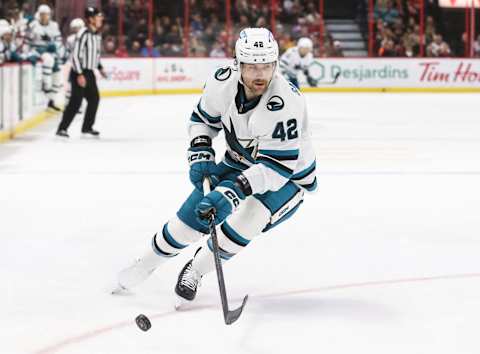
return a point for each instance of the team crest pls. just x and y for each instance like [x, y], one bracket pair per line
[242, 150]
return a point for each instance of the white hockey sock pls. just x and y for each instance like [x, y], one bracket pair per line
[151, 260]
[174, 237]
[57, 86]
[203, 261]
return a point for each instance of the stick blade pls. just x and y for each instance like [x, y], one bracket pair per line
[232, 316]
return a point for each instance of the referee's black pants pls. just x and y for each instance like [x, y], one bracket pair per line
[90, 93]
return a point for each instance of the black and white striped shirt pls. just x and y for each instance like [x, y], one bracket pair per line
[87, 51]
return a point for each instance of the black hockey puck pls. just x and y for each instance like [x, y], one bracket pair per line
[143, 322]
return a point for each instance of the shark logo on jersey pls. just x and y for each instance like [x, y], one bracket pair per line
[223, 74]
[275, 103]
[250, 145]
[241, 154]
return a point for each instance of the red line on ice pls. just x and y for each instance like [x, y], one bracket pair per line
[56, 347]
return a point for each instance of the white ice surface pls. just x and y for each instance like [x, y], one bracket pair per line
[385, 258]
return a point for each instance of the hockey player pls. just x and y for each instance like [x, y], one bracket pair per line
[8, 52]
[261, 180]
[298, 59]
[45, 41]
[19, 25]
[5, 33]
[75, 25]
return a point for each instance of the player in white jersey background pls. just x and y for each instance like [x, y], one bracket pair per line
[260, 182]
[75, 25]
[297, 60]
[8, 50]
[44, 42]
[19, 24]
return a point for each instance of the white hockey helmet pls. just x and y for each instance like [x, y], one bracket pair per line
[305, 42]
[256, 46]
[44, 9]
[77, 23]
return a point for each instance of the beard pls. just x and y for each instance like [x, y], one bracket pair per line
[257, 86]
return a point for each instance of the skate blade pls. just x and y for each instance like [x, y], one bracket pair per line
[180, 303]
[119, 290]
[89, 137]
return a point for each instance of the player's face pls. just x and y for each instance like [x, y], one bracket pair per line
[256, 77]
[44, 19]
[7, 37]
[303, 51]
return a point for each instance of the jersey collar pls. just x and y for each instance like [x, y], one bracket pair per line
[243, 105]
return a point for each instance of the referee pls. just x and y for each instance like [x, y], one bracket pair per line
[85, 59]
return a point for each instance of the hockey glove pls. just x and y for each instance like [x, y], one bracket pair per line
[312, 82]
[33, 59]
[15, 57]
[222, 201]
[201, 158]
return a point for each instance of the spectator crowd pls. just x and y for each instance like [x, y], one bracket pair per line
[398, 30]
[208, 35]
[134, 30]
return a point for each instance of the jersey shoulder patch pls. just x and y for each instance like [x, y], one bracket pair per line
[284, 96]
[218, 91]
[275, 103]
[221, 79]
[223, 74]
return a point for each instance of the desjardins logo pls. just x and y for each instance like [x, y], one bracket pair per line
[320, 71]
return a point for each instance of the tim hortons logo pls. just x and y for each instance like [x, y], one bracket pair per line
[431, 72]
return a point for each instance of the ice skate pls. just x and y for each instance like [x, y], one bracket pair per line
[187, 285]
[135, 274]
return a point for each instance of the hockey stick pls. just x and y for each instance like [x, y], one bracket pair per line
[333, 82]
[228, 316]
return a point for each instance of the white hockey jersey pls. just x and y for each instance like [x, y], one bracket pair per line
[3, 52]
[19, 31]
[70, 43]
[267, 138]
[39, 37]
[6, 51]
[291, 62]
